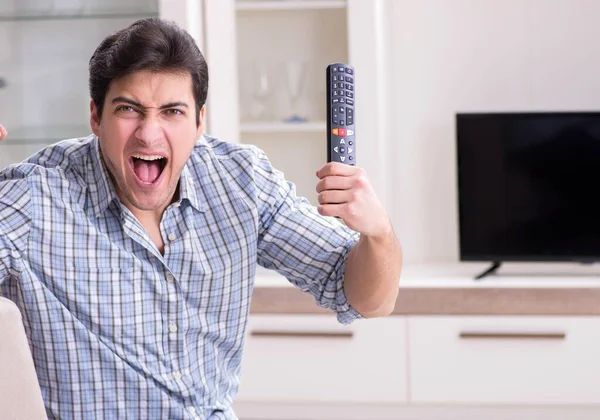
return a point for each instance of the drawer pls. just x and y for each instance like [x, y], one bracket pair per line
[505, 360]
[293, 358]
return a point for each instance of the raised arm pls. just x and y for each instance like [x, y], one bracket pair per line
[373, 267]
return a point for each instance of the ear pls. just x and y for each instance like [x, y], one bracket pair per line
[201, 122]
[94, 119]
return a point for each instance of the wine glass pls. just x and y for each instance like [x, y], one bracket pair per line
[295, 72]
[262, 90]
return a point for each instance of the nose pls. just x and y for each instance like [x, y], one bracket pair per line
[149, 130]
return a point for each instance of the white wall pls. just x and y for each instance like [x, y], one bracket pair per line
[474, 55]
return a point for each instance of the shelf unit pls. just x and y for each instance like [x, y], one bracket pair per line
[285, 46]
[239, 37]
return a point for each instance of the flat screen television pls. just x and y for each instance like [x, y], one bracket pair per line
[529, 186]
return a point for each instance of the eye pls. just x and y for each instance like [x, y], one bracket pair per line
[174, 111]
[125, 109]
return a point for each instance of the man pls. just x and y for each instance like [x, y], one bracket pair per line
[132, 252]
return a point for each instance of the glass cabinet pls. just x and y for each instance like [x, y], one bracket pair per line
[45, 47]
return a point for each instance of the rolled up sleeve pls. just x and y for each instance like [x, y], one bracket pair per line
[310, 250]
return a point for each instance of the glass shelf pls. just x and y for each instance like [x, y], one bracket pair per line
[43, 136]
[274, 5]
[77, 14]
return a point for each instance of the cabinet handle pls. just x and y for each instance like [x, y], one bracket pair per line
[303, 334]
[467, 335]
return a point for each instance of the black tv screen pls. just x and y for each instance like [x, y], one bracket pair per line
[529, 186]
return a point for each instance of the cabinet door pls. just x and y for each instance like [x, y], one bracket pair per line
[504, 360]
[294, 358]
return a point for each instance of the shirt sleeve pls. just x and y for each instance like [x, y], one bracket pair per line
[14, 220]
[310, 250]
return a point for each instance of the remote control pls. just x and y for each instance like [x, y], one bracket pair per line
[340, 114]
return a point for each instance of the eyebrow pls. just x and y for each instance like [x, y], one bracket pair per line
[139, 105]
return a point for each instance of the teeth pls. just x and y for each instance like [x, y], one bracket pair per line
[147, 157]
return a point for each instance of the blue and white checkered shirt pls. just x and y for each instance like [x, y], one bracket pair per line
[118, 330]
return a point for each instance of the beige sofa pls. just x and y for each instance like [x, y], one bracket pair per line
[20, 396]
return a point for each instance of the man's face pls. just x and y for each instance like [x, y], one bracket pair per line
[147, 133]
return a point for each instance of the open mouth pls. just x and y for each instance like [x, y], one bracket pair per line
[148, 168]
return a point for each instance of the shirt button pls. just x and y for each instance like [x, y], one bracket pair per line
[192, 410]
[170, 278]
[171, 236]
[177, 375]
[173, 328]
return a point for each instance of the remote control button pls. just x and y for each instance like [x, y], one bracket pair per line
[350, 143]
[350, 157]
[342, 133]
[350, 150]
[342, 100]
[335, 149]
[342, 141]
[349, 94]
[349, 79]
[341, 69]
[335, 85]
[342, 158]
[350, 102]
[335, 131]
[342, 122]
[335, 93]
[335, 101]
[341, 109]
[349, 121]
[350, 133]
[336, 122]
[342, 150]
[350, 112]
[349, 71]
[349, 86]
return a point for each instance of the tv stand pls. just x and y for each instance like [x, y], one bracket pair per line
[495, 266]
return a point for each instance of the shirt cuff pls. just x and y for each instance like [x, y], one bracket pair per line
[348, 316]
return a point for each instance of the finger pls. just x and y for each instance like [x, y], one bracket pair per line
[3, 132]
[334, 183]
[334, 197]
[336, 168]
[333, 210]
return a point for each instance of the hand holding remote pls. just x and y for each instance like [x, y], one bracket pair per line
[346, 192]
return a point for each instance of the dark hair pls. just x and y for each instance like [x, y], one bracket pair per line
[147, 44]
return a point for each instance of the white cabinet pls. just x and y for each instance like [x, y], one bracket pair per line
[504, 360]
[421, 368]
[313, 359]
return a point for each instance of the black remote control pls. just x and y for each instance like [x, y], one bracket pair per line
[340, 114]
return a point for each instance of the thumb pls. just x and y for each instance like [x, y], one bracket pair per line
[3, 132]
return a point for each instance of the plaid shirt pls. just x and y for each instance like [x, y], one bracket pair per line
[118, 330]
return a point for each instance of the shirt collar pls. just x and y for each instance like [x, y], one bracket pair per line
[188, 190]
[100, 187]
